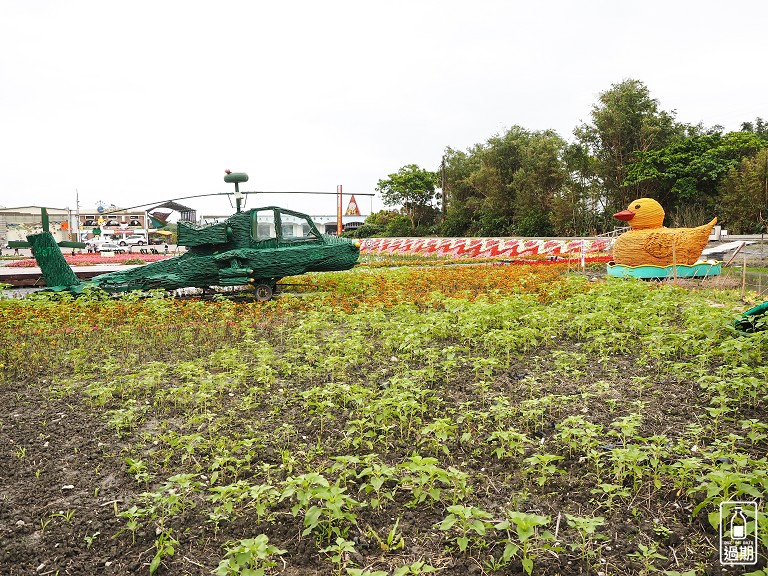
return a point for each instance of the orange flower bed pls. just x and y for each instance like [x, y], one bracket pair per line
[425, 286]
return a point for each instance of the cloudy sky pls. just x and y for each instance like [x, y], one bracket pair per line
[142, 101]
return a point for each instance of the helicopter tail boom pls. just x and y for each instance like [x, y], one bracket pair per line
[54, 267]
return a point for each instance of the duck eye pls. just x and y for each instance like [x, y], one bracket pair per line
[637, 206]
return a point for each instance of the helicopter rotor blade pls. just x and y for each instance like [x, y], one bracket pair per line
[155, 203]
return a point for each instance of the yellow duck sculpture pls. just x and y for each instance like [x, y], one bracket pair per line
[650, 243]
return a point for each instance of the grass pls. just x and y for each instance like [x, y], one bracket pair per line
[400, 421]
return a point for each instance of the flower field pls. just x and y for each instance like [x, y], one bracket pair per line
[383, 421]
[91, 259]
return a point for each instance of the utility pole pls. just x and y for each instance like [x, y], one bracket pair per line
[442, 186]
[77, 216]
[339, 226]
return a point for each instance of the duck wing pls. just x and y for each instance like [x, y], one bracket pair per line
[659, 244]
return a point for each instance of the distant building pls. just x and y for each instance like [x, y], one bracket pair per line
[325, 224]
[115, 223]
[112, 224]
[328, 224]
[17, 223]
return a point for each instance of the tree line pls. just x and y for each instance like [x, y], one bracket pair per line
[535, 183]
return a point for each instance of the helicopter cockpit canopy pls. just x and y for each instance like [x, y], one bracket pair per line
[267, 227]
[283, 225]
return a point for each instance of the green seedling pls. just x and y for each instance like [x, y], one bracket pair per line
[587, 530]
[527, 538]
[375, 476]
[427, 481]
[393, 540]
[138, 469]
[165, 547]
[339, 553]
[541, 466]
[89, 539]
[366, 572]
[471, 524]
[609, 492]
[647, 555]
[434, 435]
[626, 427]
[67, 515]
[44, 524]
[509, 443]
[579, 434]
[133, 517]
[327, 508]
[249, 557]
[418, 567]
[629, 461]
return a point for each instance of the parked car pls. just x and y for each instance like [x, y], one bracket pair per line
[133, 240]
[108, 247]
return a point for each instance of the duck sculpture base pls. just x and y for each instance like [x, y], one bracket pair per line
[701, 269]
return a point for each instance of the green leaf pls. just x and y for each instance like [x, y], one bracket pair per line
[154, 564]
[478, 527]
[527, 565]
[448, 522]
[312, 516]
[524, 532]
[510, 550]
[748, 489]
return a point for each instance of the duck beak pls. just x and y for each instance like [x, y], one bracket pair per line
[625, 215]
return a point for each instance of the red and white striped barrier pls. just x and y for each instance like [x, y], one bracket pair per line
[483, 247]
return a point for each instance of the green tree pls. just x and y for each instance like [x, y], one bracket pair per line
[744, 196]
[505, 185]
[540, 178]
[625, 121]
[573, 206]
[413, 188]
[686, 174]
[459, 217]
[759, 127]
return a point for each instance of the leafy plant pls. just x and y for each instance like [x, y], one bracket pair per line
[470, 522]
[427, 480]
[527, 539]
[392, 541]
[646, 555]
[327, 508]
[165, 547]
[510, 443]
[339, 552]
[418, 567]
[248, 557]
[586, 527]
[541, 466]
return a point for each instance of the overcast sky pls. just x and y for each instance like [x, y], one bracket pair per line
[142, 101]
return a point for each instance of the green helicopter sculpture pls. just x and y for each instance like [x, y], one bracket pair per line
[257, 247]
